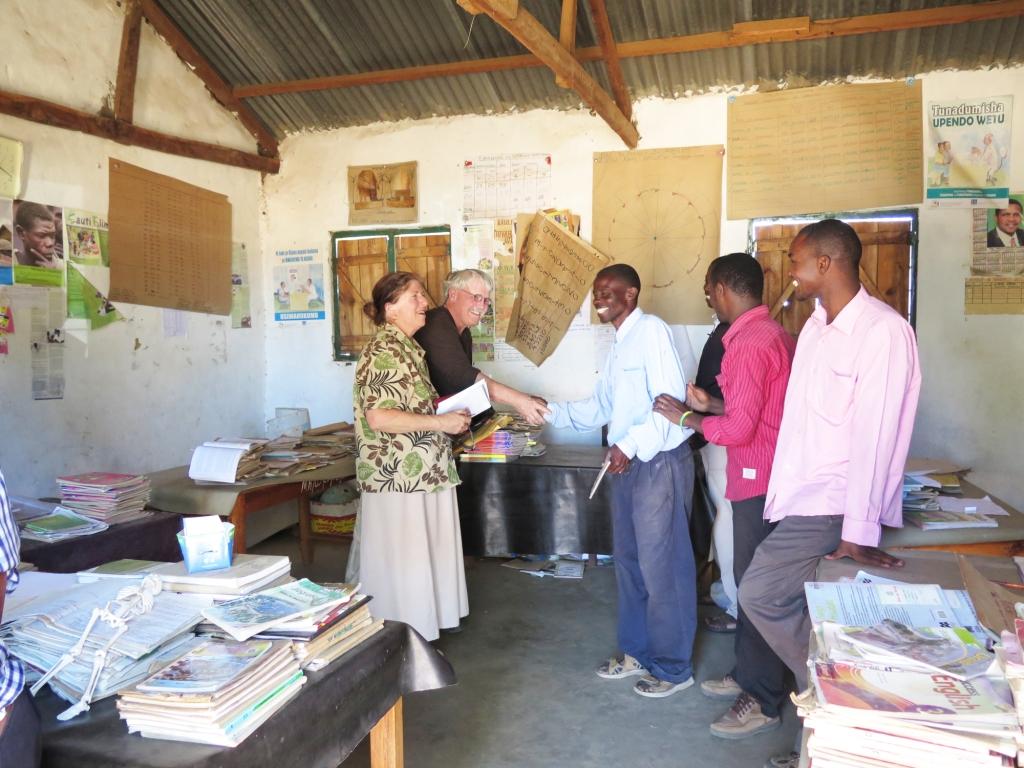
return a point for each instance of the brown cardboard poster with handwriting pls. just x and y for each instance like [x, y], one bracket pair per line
[558, 271]
[170, 242]
[838, 148]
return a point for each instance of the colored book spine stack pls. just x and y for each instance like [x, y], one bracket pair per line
[500, 446]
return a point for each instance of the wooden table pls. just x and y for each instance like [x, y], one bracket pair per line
[174, 491]
[1006, 540]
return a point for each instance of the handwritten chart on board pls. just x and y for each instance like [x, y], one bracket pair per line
[170, 242]
[839, 148]
[994, 296]
[557, 273]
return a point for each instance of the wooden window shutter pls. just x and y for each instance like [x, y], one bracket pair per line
[428, 256]
[361, 263]
[884, 266]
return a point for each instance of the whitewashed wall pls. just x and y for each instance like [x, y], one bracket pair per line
[972, 401]
[973, 366]
[134, 400]
[308, 199]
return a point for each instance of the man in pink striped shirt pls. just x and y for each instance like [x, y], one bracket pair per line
[755, 371]
[838, 469]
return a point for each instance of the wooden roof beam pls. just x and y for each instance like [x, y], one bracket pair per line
[567, 36]
[128, 62]
[748, 33]
[218, 87]
[59, 116]
[525, 28]
[606, 40]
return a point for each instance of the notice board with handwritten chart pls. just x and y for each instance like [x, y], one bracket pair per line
[994, 296]
[835, 148]
[658, 210]
[170, 242]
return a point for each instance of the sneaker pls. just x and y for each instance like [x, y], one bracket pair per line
[722, 623]
[726, 689]
[615, 668]
[785, 760]
[651, 686]
[743, 719]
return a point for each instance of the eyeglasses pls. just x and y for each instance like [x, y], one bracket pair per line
[476, 297]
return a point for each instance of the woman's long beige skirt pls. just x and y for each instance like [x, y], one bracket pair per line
[411, 559]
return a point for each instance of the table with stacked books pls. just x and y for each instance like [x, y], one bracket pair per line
[536, 505]
[100, 516]
[137, 663]
[174, 491]
[919, 665]
[962, 517]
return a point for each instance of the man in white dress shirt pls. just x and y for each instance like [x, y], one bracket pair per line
[650, 469]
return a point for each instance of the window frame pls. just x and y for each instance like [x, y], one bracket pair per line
[391, 234]
[912, 213]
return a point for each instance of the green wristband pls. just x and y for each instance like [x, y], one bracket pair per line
[682, 419]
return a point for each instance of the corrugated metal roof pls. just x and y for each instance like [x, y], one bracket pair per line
[262, 41]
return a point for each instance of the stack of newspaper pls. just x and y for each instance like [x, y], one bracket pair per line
[901, 677]
[106, 496]
[218, 693]
[324, 621]
[41, 631]
[338, 438]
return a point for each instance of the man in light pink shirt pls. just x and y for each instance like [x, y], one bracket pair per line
[846, 424]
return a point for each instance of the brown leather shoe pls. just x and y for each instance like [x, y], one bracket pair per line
[722, 623]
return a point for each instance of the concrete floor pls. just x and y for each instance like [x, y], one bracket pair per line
[527, 694]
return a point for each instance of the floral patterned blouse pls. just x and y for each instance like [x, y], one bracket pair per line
[392, 373]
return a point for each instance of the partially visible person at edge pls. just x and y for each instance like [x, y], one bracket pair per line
[410, 541]
[447, 340]
[20, 741]
[723, 591]
[650, 468]
[837, 477]
[755, 371]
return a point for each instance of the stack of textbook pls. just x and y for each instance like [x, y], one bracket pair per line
[321, 638]
[323, 621]
[246, 574]
[901, 677]
[218, 693]
[105, 496]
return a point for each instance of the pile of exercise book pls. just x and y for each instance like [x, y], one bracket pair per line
[105, 496]
[901, 676]
[504, 437]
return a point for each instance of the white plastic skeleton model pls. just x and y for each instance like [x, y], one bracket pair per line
[130, 602]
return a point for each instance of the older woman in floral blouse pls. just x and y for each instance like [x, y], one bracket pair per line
[411, 545]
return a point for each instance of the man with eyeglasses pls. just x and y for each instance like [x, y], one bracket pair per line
[449, 344]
